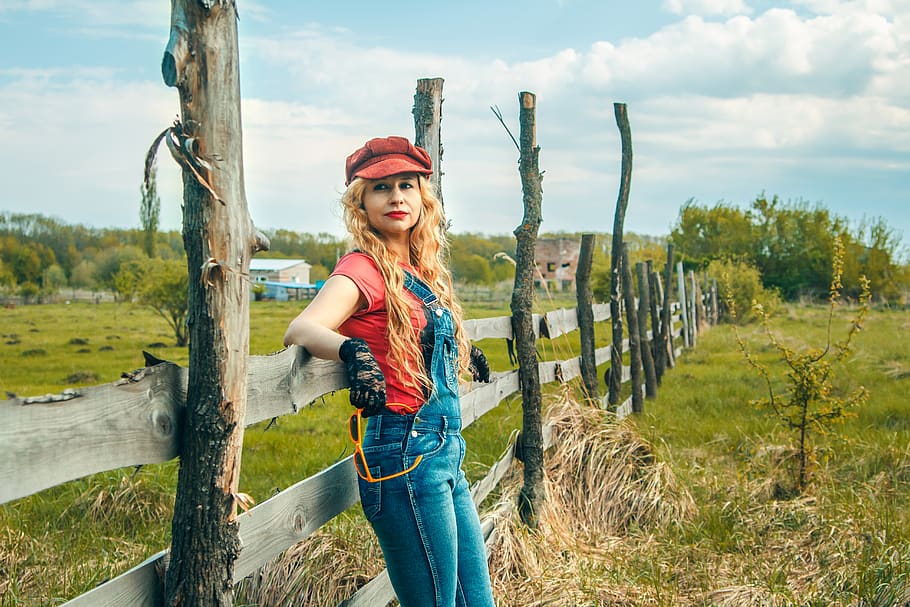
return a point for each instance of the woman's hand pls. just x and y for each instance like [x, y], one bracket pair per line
[365, 376]
[479, 367]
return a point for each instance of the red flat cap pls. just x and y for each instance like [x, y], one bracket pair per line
[386, 156]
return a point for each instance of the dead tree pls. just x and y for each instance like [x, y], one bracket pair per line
[428, 125]
[201, 61]
[628, 294]
[531, 448]
[666, 328]
[583, 298]
[644, 306]
[615, 374]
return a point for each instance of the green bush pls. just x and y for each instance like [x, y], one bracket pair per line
[742, 282]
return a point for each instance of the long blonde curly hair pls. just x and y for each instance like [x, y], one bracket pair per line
[428, 248]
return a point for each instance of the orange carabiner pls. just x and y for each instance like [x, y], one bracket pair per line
[355, 431]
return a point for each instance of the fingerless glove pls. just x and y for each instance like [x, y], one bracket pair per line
[480, 368]
[364, 375]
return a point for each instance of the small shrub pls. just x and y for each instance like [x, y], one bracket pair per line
[810, 404]
[78, 341]
[34, 352]
[743, 282]
[105, 348]
[84, 351]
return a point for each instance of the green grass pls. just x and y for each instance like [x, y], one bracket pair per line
[54, 545]
[853, 521]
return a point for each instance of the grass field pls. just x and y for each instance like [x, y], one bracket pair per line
[844, 542]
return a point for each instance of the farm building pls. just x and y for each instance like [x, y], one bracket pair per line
[557, 259]
[281, 279]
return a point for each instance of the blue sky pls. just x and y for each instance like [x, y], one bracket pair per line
[808, 100]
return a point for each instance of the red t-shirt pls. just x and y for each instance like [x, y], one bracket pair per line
[369, 324]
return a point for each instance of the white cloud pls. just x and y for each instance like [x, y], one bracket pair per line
[707, 8]
[718, 109]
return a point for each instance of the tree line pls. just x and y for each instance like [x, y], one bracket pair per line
[788, 247]
[791, 246]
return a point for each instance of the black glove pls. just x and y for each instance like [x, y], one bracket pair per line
[479, 367]
[365, 376]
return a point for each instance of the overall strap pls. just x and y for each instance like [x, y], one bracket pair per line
[420, 289]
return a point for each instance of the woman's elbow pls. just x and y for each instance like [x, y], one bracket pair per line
[292, 335]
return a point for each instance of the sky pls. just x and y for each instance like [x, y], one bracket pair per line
[727, 99]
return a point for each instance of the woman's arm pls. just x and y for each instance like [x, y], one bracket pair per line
[316, 328]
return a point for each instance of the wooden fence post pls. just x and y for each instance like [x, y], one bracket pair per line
[428, 125]
[695, 309]
[585, 313]
[628, 294]
[201, 61]
[714, 306]
[666, 329]
[644, 307]
[622, 202]
[532, 492]
[683, 303]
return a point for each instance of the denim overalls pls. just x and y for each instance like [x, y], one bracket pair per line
[425, 520]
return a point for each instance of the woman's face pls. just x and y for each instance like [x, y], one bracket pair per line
[393, 204]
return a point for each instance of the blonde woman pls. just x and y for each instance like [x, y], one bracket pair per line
[388, 314]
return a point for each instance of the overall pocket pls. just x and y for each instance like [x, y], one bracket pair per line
[424, 441]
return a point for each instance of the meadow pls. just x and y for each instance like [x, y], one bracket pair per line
[843, 542]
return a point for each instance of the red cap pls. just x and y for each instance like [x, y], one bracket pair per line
[386, 156]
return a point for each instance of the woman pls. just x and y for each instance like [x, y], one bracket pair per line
[388, 313]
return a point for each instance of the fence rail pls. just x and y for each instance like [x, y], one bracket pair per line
[136, 421]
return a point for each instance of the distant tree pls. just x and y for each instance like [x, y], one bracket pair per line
[83, 275]
[161, 285]
[150, 211]
[53, 279]
[109, 261]
[472, 269]
[318, 272]
[6, 275]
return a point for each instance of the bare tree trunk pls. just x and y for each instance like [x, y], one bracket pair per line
[666, 330]
[628, 294]
[622, 202]
[201, 61]
[585, 313]
[683, 303]
[654, 292]
[532, 492]
[644, 306]
[428, 125]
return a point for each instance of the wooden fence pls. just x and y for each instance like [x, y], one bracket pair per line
[136, 420]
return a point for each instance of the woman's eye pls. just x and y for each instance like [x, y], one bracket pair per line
[380, 186]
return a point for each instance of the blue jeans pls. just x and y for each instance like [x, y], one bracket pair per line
[425, 520]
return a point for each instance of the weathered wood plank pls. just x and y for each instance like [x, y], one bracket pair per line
[601, 312]
[119, 424]
[375, 593]
[484, 397]
[484, 486]
[561, 321]
[278, 523]
[570, 368]
[485, 328]
[138, 587]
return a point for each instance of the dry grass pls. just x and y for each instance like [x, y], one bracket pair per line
[602, 479]
[324, 569]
